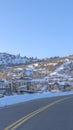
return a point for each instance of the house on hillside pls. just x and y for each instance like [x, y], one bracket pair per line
[16, 82]
[55, 86]
[64, 87]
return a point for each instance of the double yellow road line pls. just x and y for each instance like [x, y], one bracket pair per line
[32, 114]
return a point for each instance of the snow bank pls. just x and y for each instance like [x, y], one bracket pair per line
[14, 99]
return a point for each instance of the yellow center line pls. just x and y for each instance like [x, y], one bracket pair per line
[32, 114]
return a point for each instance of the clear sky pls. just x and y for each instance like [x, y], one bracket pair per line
[42, 28]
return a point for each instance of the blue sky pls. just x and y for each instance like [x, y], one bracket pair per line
[42, 28]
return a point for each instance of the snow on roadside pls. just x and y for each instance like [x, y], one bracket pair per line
[14, 99]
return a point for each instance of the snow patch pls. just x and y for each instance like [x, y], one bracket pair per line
[14, 99]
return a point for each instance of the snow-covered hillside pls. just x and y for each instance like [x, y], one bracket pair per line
[45, 72]
[6, 59]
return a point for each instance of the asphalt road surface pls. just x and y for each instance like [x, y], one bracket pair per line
[43, 114]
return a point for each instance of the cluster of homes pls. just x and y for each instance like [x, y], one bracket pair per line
[27, 84]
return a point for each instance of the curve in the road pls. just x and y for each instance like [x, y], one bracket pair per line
[32, 114]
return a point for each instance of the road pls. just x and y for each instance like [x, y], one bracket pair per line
[44, 114]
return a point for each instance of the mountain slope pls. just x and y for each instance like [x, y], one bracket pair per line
[6, 59]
